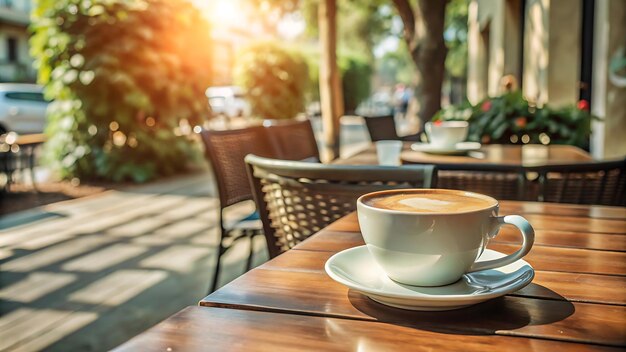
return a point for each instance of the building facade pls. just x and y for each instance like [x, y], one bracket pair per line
[16, 65]
[560, 52]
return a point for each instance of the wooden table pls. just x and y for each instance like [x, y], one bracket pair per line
[577, 300]
[508, 155]
[18, 155]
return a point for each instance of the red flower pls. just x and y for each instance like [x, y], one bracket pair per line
[486, 106]
[583, 105]
[437, 123]
[520, 122]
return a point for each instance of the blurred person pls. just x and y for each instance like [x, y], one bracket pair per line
[401, 98]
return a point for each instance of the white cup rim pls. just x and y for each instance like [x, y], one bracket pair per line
[389, 142]
[494, 203]
[449, 124]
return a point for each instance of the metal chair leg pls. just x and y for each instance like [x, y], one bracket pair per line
[220, 251]
[251, 253]
[31, 166]
[218, 265]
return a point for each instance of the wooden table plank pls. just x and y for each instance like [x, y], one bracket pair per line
[490, 154]
[593, 211]
[540, 257]
[572, 260]
[590, 288]
[332, 240]
[196, 328]
[291, 292]
[567, 239]
[514, 155]
[27, 139]
[577, 224]
[569, 222]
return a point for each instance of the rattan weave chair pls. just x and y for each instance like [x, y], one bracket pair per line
[384, 128]
[293, 140]
[297, 199]
[587, 183]
[502, 182]
[225, 151]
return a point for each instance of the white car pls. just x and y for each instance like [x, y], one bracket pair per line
[22, 108]
[228, 101]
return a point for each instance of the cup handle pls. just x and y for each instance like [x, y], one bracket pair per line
[528, 238]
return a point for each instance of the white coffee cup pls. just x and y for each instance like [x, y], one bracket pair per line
[388, 153]
[446, 134]
[435, 248]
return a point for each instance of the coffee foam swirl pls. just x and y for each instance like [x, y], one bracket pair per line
[429, 202]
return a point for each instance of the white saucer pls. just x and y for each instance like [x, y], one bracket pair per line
[459, 148]
[356, 268]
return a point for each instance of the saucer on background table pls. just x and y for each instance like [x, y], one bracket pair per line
[357, 269]
[458, 149]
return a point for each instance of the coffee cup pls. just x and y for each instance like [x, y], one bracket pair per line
[446, 134]
[431, 237]
[388, 153]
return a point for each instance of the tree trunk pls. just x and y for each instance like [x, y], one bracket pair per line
[331, 98]
[423, 32]
[429, 55]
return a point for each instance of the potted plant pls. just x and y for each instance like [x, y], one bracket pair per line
[511, 119]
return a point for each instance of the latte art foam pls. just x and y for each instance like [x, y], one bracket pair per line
[429, 202]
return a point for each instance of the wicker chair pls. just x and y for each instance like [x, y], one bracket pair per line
[589, 183]
[225, 151]
[499, 181]
[293, 140]
[297, 199]
[384, 128]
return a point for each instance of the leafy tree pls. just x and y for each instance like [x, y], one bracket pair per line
[355, 80]
[361, 24]
[355, 70]
[396, 66]
[275, 79]
[455, 36]
[124, 76]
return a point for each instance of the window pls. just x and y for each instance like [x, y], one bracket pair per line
[29, 96]
[12, 49]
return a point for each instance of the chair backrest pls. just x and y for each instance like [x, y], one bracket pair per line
[226, 151]
[297, 199]
[583, 183]
[501, 182]
[293, 140]
[381, 127]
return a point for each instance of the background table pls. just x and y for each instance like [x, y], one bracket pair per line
[509, 155]
[19, 155]
[577, 300]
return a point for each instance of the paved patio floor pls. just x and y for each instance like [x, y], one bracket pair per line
[88, 274]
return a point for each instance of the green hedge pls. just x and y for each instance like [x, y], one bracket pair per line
[258, 70]
[356, 75]
[275, 80]
[125, 75]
